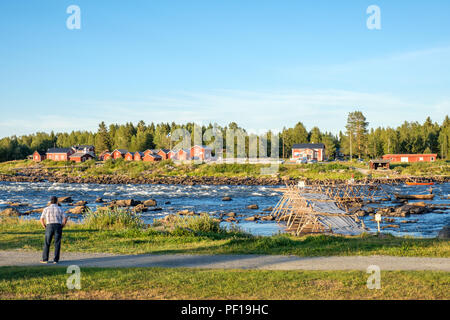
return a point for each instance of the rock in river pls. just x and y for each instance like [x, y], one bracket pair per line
[77, 210]
[253, 206]
[10, 212]
[150, 203]
[126, 203]
[140, 208]
[226, 199]
[64, 199]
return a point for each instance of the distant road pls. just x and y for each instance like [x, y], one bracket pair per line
[263, 262]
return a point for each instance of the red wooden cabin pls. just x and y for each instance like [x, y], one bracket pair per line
[199, 152]
[148, 151]
[119, 153]
[151, 157]
[138, 156]
[171, 154]
[59, 154]
[38, 157]
[81, 156]
[308, 151]
[183, 154]
[430, 157]
[106, 156]
[129, 156]
[163, 153]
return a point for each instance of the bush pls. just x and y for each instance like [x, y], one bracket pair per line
[199, 224]
[114, 218]
[202, 225]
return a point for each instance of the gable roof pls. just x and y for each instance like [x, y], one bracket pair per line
[152, 155]
[122, 151]
[164, 150]
[81, 154]
[308, 146]
[59, 150]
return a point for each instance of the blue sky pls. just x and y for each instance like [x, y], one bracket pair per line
[263, 64]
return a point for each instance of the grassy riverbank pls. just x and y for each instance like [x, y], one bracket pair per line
[202, 238]
[168, 283]
[132, 169]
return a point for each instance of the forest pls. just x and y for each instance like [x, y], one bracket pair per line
[355, 139]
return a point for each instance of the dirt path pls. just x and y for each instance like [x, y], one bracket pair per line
[265, 262]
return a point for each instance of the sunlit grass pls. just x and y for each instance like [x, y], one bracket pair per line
[169, 283]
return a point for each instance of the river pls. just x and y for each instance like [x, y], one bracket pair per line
[208, 198]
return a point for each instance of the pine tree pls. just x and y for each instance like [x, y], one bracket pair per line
[102, 139]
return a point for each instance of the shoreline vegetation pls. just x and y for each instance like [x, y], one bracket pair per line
[119, 232]
[190, 173]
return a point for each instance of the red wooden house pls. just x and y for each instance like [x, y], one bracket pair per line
[171, 154]
[118, 153]
[199, 152]
[308, 151]
[106, 156]
[138, 156]
[148, 151]
[59, 154]
[129, 156]
[38, 157]
[163, 153]
[81, 156]
[151, 157]
[410, 157]
[183, 154]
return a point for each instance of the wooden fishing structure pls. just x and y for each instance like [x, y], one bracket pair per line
[348, 194]
[306, 210]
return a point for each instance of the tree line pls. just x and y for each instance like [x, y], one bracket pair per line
[355, 140]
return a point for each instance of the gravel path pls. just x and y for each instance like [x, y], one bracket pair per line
[265, 262]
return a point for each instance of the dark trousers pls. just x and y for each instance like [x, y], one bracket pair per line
[52, 229]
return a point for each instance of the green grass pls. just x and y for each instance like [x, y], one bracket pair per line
[165, 283]
[28, 235]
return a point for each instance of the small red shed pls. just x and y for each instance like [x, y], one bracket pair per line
[200, 152]
[163, 153]
[38, 157]
[81, 156]
[151, 157]
[119, 153]
[129, 156]
[138, 156]
[183, 154]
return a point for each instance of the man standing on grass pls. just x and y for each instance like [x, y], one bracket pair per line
[53, 220]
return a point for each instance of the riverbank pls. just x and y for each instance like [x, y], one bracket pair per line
[18, 234]
[166, 172]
